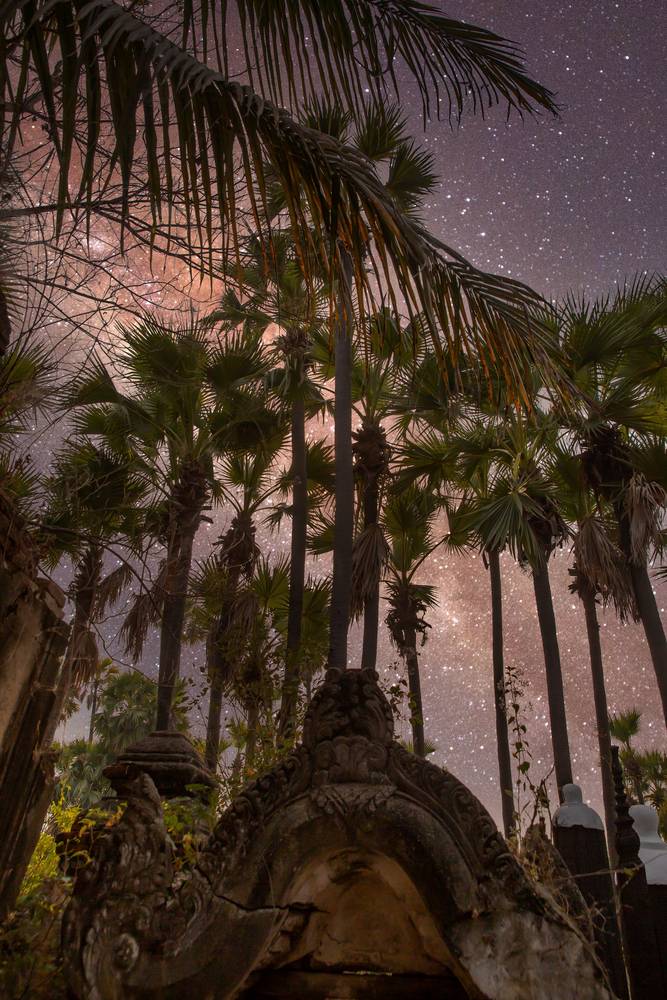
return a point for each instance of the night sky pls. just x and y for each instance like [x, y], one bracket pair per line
[571, 204]
[576, 203]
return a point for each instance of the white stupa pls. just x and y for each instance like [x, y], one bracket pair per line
[575, 812]
[652, 849]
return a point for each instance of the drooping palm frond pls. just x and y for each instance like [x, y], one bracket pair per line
[145, 610]
[370, 553]
[111, 587]
[331, 191]
[352, 47]
[601, 564]
[645, 504]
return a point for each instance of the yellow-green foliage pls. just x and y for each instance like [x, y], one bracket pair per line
[30, 963]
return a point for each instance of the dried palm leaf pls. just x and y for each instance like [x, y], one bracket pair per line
[369, 558]
[82, 656]
[601, 565]
[111, 587]
[645, 504]
[145, 611]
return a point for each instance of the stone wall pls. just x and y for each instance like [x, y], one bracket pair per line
[33, 638]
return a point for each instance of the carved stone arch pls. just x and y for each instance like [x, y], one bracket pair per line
[348, 824]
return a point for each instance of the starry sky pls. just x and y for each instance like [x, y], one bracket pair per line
[576, 203]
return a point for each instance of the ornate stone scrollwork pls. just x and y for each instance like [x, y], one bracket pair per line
[349, 787]
[118, 897]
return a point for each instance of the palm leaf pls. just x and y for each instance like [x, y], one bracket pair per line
[369, 558]
[225, 127]
[354, 46]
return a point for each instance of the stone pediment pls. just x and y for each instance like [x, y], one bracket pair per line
[352, 869]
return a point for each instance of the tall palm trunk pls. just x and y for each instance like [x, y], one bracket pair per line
[187, 502]
[502, 735]
[213, 722]
[173, 616]
[653, 628]
[297, 574]
[369, 648]
[555, 695]
[647, 608]
[251, 735]
[93, 707]
[219, 669]
[344, 472]
[81, 648]
[601, 713]
[415, 691]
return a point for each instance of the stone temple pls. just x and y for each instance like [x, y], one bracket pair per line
[354, 869]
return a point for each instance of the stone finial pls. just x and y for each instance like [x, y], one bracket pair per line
[349, 703]
[169, 758]
[575, 812]
[652, 849]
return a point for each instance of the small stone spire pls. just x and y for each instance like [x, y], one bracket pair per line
[627, 841]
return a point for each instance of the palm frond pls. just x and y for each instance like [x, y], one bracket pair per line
[355, 46]
[645, 503]
[601, 564]
[223, 126]
[370, 553]
[111, 587]
[145, 610]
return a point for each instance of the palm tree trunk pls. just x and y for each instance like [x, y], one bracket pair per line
[86, 583]
[369, 648]
[251, 736]
[647, 608]
[93, 707]
[653, 628]
[297, 570]
[173, 616]
[601, 714]
[344, 472]
[556, 697]
[502, 735]
[213, 723]
[414, 688]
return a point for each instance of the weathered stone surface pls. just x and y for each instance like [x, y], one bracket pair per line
[350, 859]
[32, 640]
[169, 759]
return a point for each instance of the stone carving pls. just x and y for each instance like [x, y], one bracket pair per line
[118, 896]
[348, 817]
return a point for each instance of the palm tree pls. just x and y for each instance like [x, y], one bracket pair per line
[518, 511]
[385, 359]
[248, 483]
[330, 189]
[278, 295]
[230, 133]
[26, 390]
[191, 402]
[616, 350]
[408, 522]
[380, 134]
[93, 499]
[624, 726]
[598, 574]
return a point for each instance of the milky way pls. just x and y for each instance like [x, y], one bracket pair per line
[574, 203]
